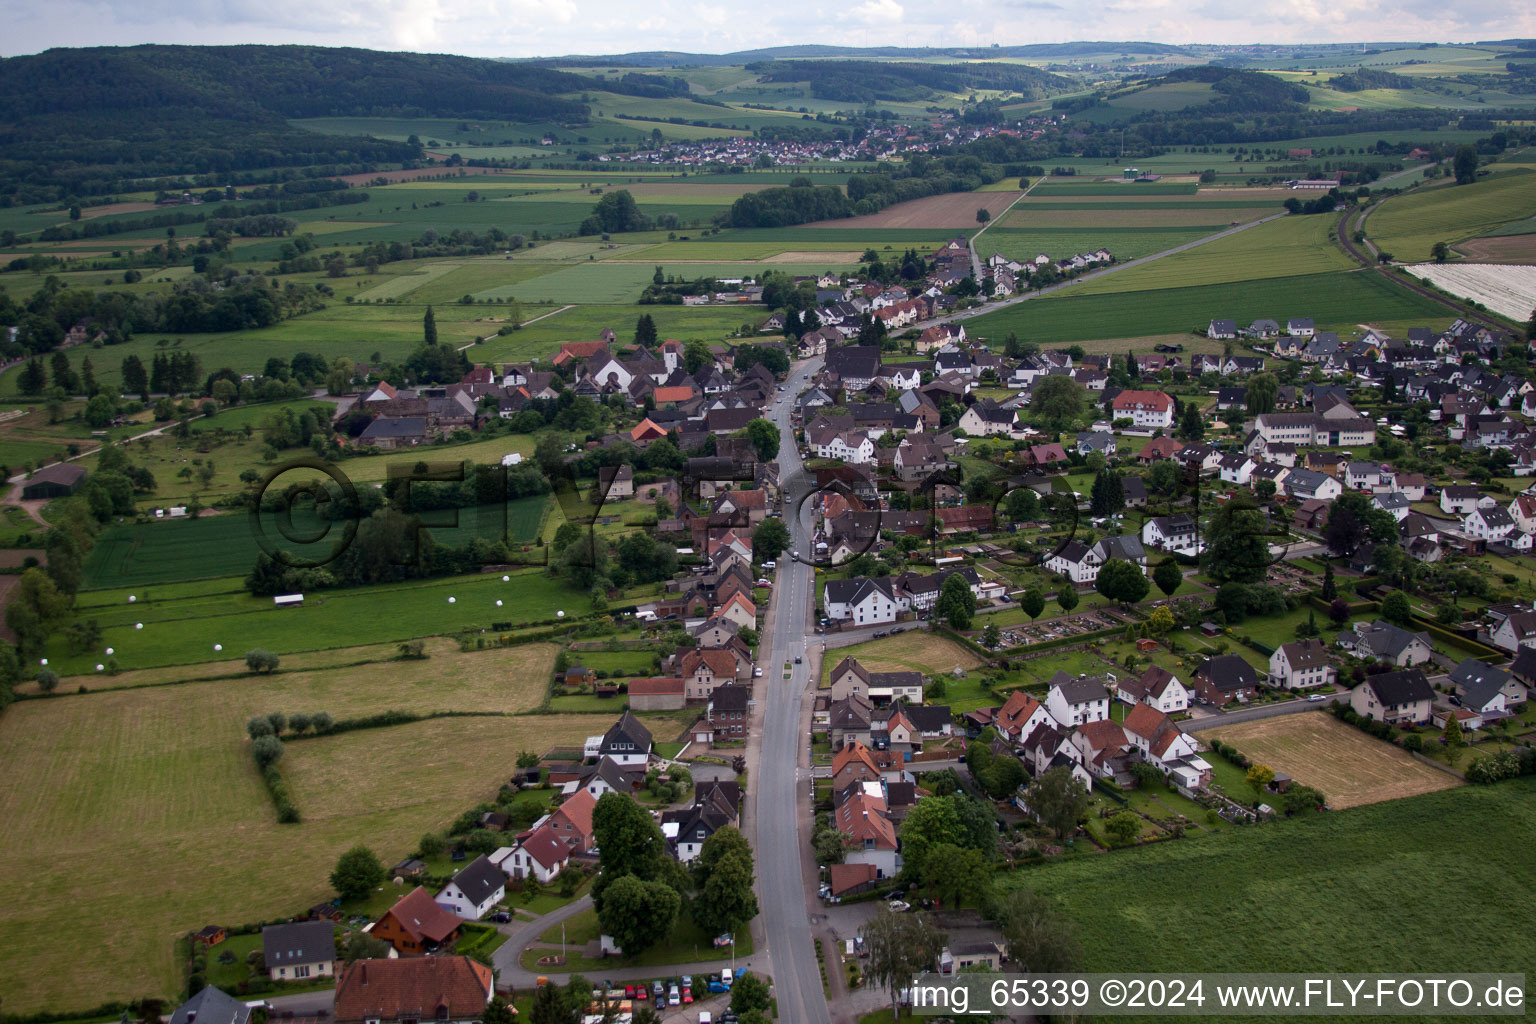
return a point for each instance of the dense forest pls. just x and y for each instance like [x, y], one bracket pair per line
[867, 81]
[79, 121]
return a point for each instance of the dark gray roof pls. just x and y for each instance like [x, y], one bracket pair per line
[1395, 689]
[480, 879]
[730, 697]
[395, 426]
[627, 730]
[1229, 672]
[305, 942]
[1079, 689]
[212, 1006]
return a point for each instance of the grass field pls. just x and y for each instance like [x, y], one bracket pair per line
[1318, 892]
[914, 650]
[1409, 225]
[1347, 766]
[1282, 248]
[1335, 301]
[159, 782]
[179, 630]
[227, 545]
[1091, 187]
[1125, 243]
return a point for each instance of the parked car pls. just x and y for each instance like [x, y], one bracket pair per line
[725, 977]
[715, 984]
[704, 1017]
[1314, 698]
[501, 917]
[674, 997]
[687, 982]
[723, 939]
[659, 991]
[757, 673]
[900, 906]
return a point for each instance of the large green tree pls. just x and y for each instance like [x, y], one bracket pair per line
[1040, 939]
[765, 439]
[956, 604]
[1262, 391]
[769, 539]
[1122, 580]
[1237, 542]
[724, 900]
[357, 873]
[1058, 798]
[951, 873]
[1168, 576]
[899, 947]
[1354, 521]
[932, 823]
[1058, 401]
[1464, 164]
[638, 914]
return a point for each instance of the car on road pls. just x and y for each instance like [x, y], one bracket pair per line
[798, 659]
[794, 554]
[1315, 698]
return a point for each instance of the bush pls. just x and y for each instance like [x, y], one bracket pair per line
[259, 727]
[47, 680]
[267, 750]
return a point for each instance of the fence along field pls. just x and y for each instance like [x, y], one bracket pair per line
[1317, 892]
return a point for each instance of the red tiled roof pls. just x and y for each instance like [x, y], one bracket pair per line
[422, 918]
[545, 847]
[415, 986]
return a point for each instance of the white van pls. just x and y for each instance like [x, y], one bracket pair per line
[704, 1017]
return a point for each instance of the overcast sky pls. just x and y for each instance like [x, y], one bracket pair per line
[526, 28]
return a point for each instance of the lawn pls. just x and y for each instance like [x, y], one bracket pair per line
[687, 944]
[1282, 248]
[913, 650]
[1319, 892]
[1409, 225]
[1347, 766]
[1335, 301]
[161, 779]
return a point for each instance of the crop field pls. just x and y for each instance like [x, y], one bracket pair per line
[160, 781]
[953, 210]
[836, 244]
[684, 323]
[914, 650]
[1281, 248]
[1509, 291]
[1511, 248]
[1335, 301]
[1318, 892]
[1347, 766]
[1409, 225]
[1125, 243]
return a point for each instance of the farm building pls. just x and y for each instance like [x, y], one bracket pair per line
[59, 480]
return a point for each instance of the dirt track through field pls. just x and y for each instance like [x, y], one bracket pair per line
[1347, 766]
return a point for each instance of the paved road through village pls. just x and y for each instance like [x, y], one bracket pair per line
[780, 784]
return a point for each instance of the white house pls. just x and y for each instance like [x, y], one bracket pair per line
[475, 890]
[1488, 523]
[861, 601]
[1237, 468]
[1458, 501]
[1076, 562]
[1516, 631]
[1300, 665]
[1073, 702]
[1148, 409]
[1171, 533]
[542, 856]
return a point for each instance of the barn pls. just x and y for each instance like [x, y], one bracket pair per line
[59, 480]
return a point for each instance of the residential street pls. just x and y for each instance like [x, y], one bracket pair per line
[782, 804]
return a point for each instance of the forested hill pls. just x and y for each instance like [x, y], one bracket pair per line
[866, 81]
[267, 82]
[87, 122]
